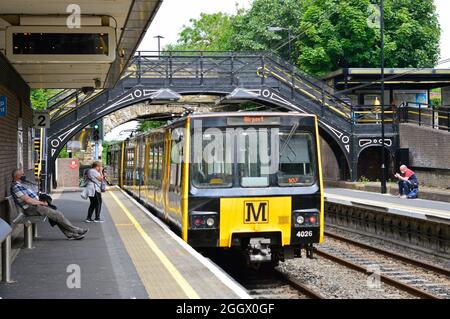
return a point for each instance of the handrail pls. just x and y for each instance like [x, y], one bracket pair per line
[233, 67]
[55, 100]
[436, 117]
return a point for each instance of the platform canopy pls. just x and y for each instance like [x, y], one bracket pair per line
[395, 78]
[73, 44]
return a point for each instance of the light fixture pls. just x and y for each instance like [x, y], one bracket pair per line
[239, 95]
[165, 95]
[98, 83]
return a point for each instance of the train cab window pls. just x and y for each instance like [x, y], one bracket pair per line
[296, 165]
[254, 152]
[210, 169]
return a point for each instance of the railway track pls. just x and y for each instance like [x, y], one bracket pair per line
[273, 284]
[412, 276]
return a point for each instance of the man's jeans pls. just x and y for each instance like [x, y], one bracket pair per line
[61, 221]
[404, 187]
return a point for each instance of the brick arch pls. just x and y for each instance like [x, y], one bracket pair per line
[136, 111]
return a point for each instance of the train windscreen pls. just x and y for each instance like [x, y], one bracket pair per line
[253, 157]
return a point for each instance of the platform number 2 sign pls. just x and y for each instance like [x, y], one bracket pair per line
[41, 120]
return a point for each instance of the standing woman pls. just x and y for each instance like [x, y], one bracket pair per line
[94, 182]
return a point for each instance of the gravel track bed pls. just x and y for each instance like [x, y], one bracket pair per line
[334, 281]
[409, 252]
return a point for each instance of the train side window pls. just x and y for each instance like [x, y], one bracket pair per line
[176, 159]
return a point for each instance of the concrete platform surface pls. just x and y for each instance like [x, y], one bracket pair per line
[415, 208]
[130, 255]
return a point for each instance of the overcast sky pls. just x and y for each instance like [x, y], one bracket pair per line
[173, 14]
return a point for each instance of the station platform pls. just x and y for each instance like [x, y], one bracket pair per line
[415, 208]
[132, 255]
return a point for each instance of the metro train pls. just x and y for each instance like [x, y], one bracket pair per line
[245, 180]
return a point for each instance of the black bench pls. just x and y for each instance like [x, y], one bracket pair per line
[17, 216]
[5, 240]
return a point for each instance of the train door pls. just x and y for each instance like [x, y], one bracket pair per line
[175, 171]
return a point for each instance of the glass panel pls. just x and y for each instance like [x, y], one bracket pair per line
[254, 157]
[296, 165]
[60, 43]
[210, 168]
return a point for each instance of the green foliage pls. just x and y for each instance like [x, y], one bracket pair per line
[337, 35]
[209, 32]
[105, 146]
[436, 101]
[326, 34]
[39, 97]
[63, 153]
[147, 125]
[363, 179]
[250, 28]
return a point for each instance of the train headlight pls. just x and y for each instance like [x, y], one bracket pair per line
[210, 222]
[306, 217]
[203, 220]
[300, 220]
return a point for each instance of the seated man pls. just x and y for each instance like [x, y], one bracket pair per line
[408, 182]
[29, 201]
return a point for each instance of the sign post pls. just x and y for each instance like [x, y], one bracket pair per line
[41, 119]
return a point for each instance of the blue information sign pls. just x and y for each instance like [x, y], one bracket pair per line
[2, 106]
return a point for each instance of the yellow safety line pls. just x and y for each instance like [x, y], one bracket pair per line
[188, 290]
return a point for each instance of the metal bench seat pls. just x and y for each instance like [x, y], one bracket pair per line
[17, 216]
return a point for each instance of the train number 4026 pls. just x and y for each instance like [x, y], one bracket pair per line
[305, 233]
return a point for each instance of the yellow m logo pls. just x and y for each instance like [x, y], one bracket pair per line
[259, 215]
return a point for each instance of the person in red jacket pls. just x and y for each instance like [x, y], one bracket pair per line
[407, 182]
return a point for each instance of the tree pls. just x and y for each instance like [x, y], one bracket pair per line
[326, 34]
[39, 97]
[250, 28]
[339, 33]
[211, 32]
[147, 125]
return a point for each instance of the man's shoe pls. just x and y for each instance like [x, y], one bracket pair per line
[76, 237]
[88, 220]
[83, 231]
[99, 221]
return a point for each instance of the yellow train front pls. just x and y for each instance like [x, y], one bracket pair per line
[246, 180]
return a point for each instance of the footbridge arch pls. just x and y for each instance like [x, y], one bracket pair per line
[232, 78]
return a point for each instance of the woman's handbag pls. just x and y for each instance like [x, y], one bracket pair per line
[84, 193]
[103, 186]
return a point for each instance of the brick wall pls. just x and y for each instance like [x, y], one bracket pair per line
[428, 149]
[68, 175]
[330, 167]
[8, 140]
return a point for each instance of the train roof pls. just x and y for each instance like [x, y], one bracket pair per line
[228, 114]
[222, 114]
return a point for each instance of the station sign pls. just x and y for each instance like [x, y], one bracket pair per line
[3, 105]
[73, 164]
[41, 119]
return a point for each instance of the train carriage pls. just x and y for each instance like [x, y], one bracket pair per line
[247, 180]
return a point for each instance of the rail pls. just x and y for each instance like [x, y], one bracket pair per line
[58, 97]
[436, 117]
[233, 68]
[224, 69]
[371, 114]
